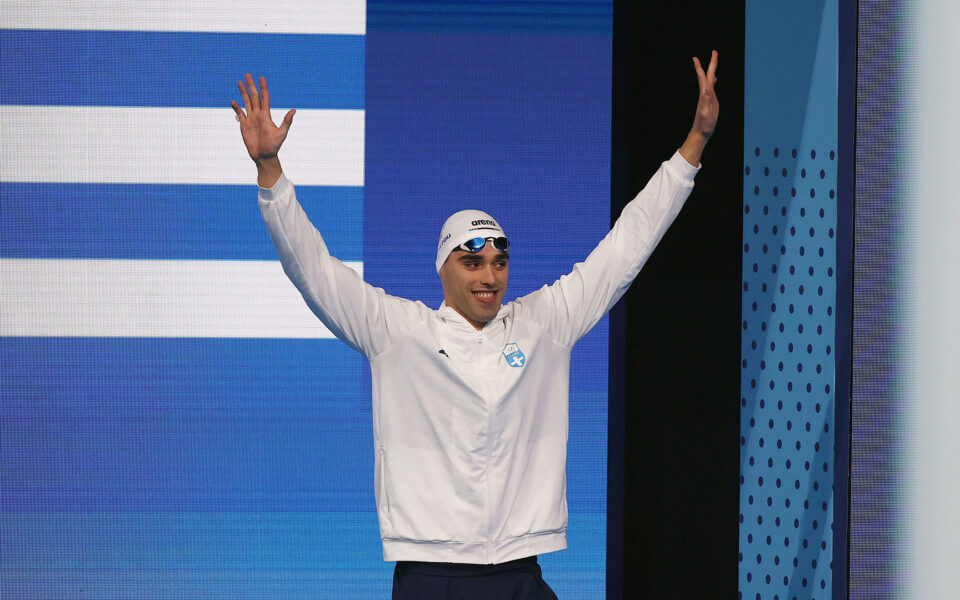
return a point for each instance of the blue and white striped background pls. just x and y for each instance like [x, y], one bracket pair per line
[122, 173]
[174, 422]
[150, 446]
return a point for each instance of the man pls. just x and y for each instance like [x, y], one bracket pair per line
[470, 399]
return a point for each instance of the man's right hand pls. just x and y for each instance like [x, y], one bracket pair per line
[261, 137]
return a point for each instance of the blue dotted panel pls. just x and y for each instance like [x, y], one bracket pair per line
[789, 290]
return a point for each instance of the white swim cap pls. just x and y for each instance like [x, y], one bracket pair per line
[462, 226]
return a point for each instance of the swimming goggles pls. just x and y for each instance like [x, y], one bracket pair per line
[476, 244]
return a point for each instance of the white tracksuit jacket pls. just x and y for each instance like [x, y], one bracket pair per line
[471, 443]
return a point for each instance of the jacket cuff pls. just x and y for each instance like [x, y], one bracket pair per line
[279, 188]
[678, 162]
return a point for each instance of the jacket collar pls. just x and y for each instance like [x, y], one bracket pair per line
[451, 316]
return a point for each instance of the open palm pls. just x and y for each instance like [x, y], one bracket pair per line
[260, 135]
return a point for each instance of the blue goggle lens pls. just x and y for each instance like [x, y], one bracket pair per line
[476, 244]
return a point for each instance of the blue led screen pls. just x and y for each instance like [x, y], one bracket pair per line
[174, 422]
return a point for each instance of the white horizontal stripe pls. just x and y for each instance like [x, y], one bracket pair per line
[276, 16]
[105, 144]
[153, 298]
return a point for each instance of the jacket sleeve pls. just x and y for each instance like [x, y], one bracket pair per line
[572, 305]
[359, 314]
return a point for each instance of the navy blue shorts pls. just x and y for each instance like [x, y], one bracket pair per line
[515, 580]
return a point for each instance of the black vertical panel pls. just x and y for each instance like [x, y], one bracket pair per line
[846, 192]
[675, 339]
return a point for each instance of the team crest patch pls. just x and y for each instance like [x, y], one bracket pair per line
[514, 355]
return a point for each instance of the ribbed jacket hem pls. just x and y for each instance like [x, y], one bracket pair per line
[475, 552]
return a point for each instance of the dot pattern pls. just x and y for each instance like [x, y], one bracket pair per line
[787, 372]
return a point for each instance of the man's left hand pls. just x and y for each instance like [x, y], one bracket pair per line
[708, 110]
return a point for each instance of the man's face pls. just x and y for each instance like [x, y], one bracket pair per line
[474, 284]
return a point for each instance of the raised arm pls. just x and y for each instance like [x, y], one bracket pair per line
[575, 302]
[260, 135]
[364, 317]
[708, 110]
